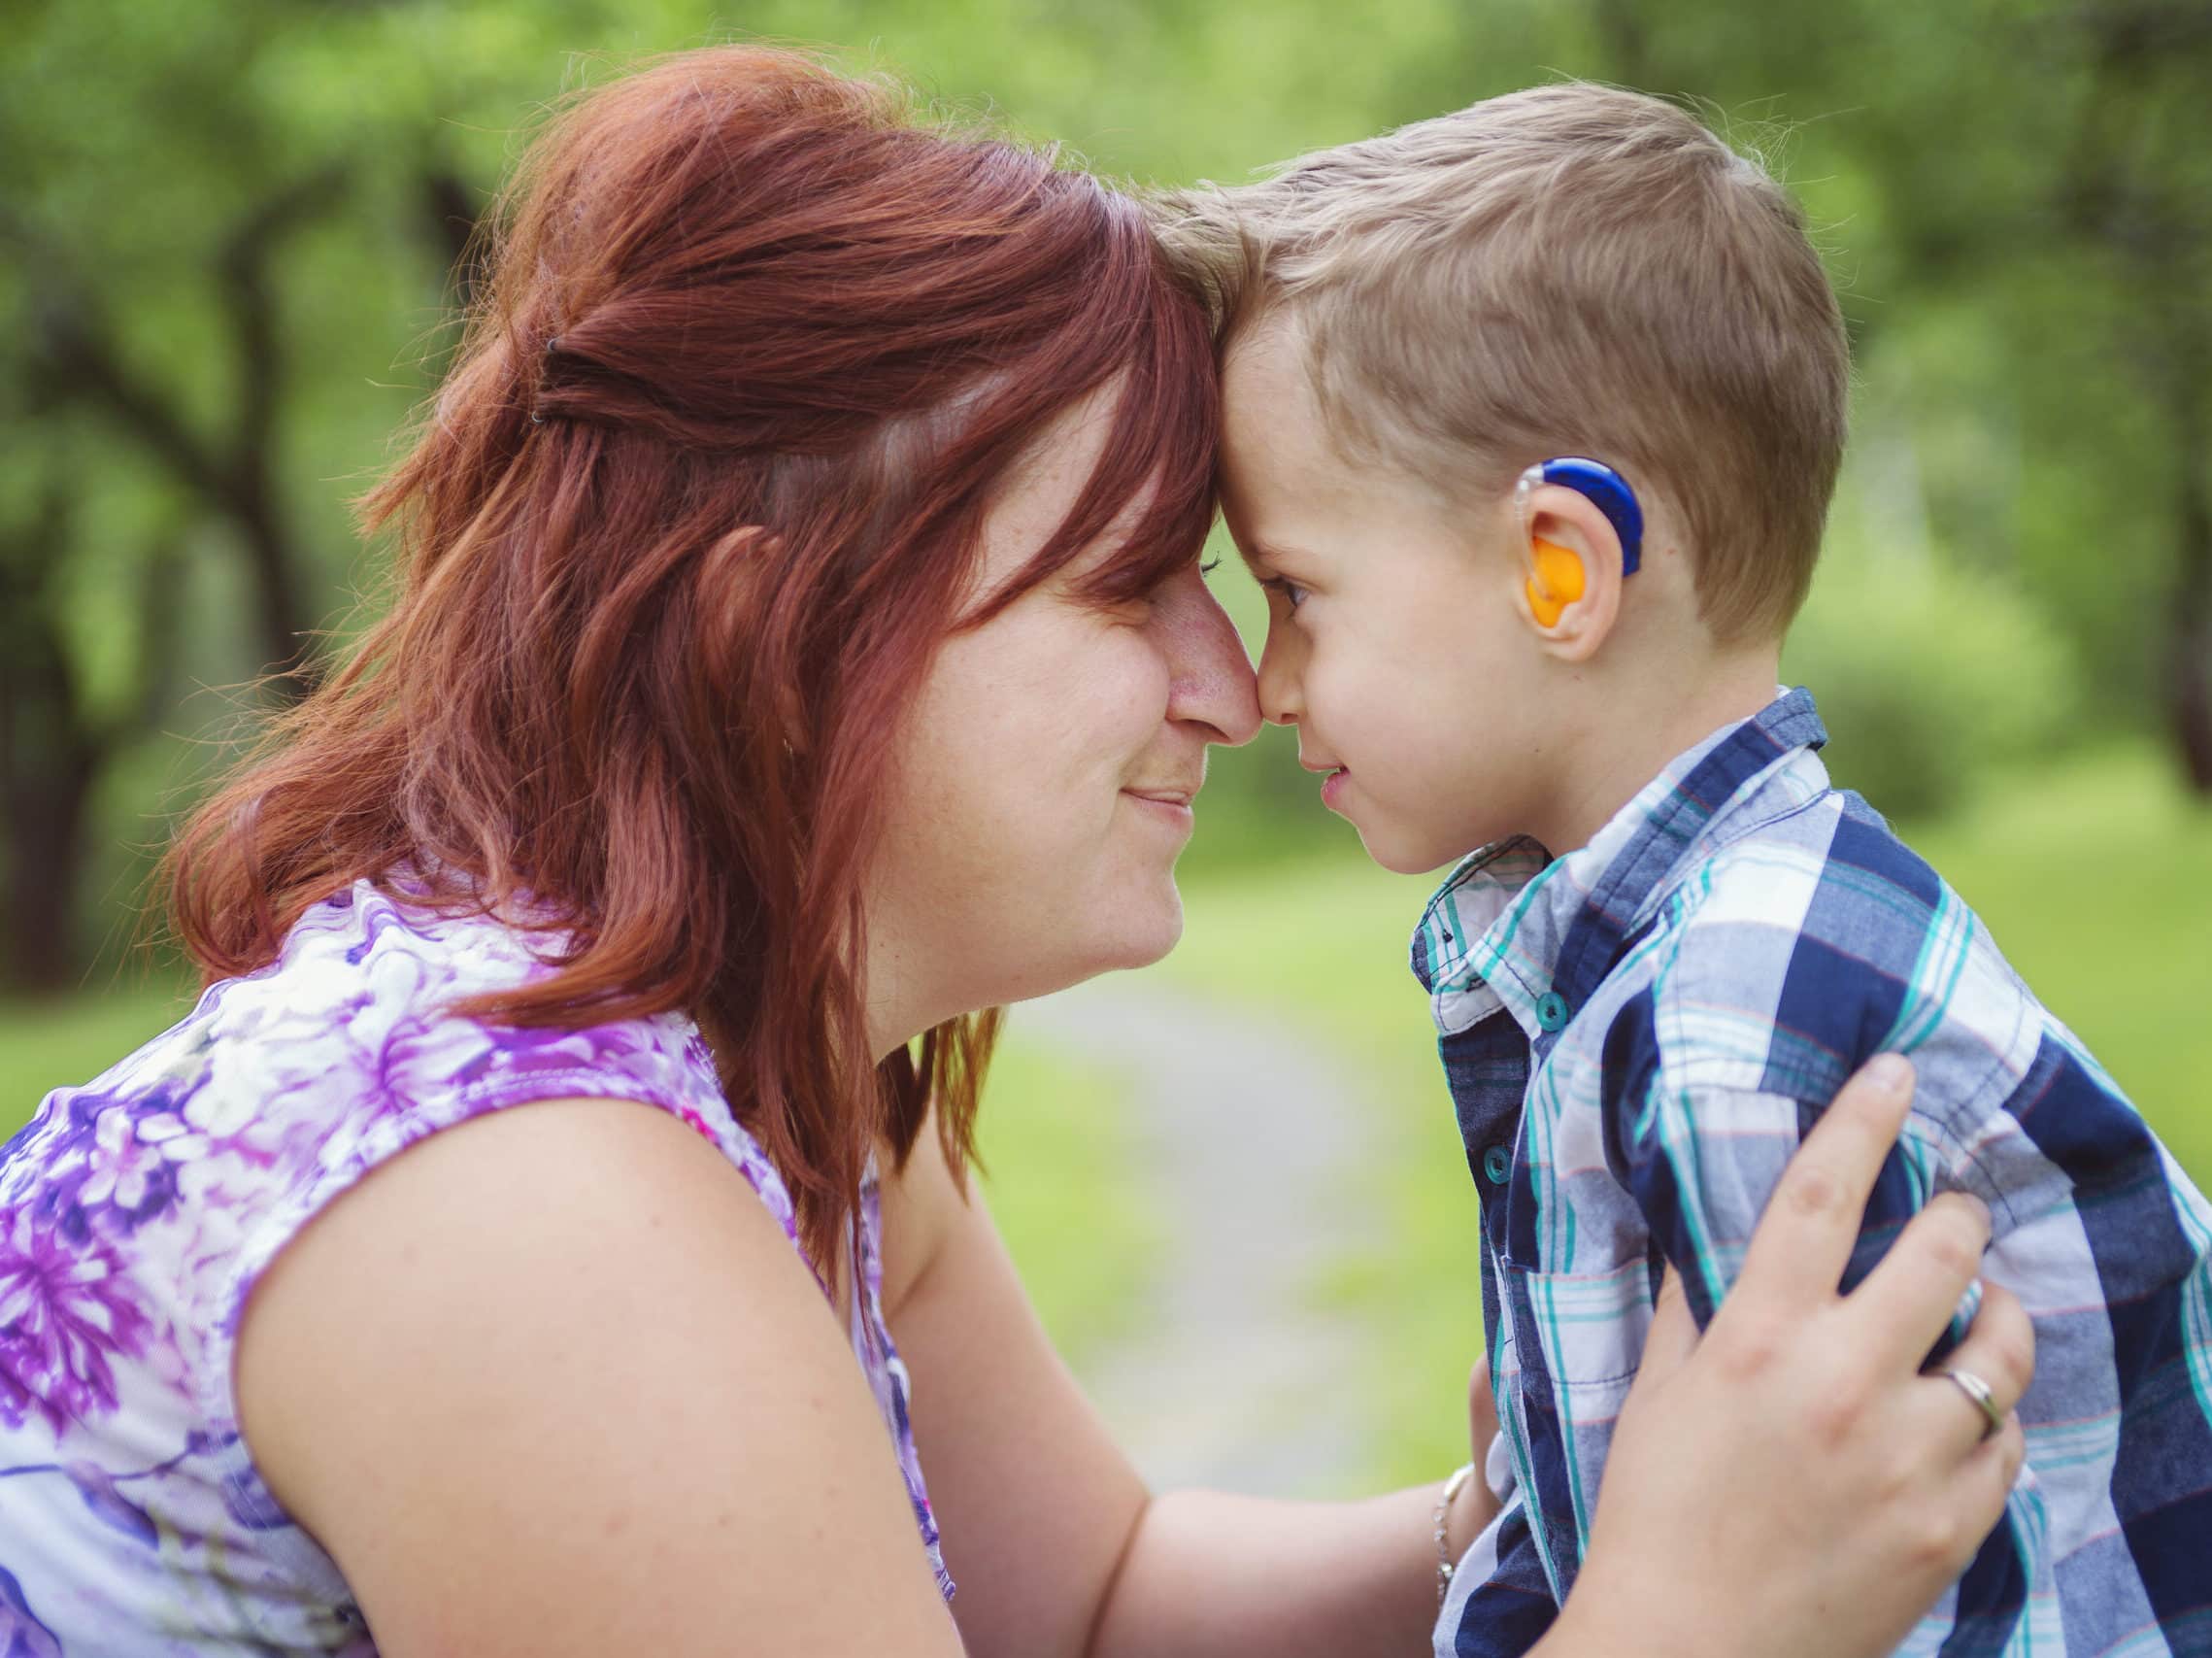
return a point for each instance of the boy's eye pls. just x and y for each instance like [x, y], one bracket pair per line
[1293, 594]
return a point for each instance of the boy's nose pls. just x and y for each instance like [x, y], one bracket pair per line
[1280, 700]
[1211, 679]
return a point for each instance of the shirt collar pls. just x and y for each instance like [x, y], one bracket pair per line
[1517, 929]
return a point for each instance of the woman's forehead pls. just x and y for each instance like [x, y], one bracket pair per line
[1046, 484]
[1048, 478]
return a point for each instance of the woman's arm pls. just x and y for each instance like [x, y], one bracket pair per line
[1792, 1472]
[1058, 1549]
[554, 1382]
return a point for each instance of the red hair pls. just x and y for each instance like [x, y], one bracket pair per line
[685, 527]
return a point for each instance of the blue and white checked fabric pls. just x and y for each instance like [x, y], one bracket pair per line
[1636, 1037]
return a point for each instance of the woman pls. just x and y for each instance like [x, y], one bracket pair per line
[798, 650]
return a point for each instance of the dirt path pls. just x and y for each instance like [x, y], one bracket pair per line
[1251, 1136]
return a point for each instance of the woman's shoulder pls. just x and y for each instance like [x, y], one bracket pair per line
[187, 1167]
[140, 1212]
[355, 1042]
[359, 1034]
[372, 986]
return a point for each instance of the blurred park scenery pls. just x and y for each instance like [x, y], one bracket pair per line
[231, 239]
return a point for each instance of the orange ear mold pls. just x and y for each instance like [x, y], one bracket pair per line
[1559, 581]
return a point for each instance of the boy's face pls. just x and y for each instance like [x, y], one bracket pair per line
[1395, 640]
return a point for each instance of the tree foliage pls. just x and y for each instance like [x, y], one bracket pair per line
[230, 238]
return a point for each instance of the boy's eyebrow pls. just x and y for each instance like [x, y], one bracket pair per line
[1259, 554]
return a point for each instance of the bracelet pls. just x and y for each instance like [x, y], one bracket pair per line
[1444, 1562]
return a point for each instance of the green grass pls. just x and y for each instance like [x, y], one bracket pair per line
[2095, 876]
[44, 1045]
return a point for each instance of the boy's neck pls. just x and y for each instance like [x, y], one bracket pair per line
[1617, 754]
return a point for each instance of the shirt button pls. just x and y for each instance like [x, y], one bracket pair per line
[1496, 1165]
[1551, 1011]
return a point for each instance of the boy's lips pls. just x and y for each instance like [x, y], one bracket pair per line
[1332, 785]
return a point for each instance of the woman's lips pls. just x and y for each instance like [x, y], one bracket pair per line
[1170, 805]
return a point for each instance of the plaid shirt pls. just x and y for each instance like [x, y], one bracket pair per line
[1637, 1035]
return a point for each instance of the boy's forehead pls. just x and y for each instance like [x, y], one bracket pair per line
[1265, 366]
[1286, 481]
[1274, 447]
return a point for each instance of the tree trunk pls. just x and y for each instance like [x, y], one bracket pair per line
[283, 613]
[38, 951]
[451, 212]
[48, 765]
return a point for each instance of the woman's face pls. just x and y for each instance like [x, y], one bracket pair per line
[1044, 777]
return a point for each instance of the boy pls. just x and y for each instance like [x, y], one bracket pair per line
[1532, 417]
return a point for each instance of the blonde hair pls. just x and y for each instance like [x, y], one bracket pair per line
[1570, 269]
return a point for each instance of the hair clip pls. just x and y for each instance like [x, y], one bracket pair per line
[1605, 489]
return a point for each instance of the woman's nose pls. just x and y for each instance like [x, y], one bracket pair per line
[1212, 681]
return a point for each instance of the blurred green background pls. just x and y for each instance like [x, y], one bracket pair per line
[229, 243]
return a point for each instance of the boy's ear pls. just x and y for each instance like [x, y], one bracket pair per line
[1571, 554]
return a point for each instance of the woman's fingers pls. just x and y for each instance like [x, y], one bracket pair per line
[1821, 1197]
[2000, 1348]
[1910, 1298]
[1965, 1497]
[1992, 1471]
[2000, 1354]
[1891, 1486]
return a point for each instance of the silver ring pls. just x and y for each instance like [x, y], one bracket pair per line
[1978, 1390]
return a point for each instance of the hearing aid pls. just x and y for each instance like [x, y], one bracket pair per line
[1557, 581]
[1558, 577]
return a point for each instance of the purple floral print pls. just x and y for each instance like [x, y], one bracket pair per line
[66, 1312]
[137, 1212]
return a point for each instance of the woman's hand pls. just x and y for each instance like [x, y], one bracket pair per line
[1795, 1388]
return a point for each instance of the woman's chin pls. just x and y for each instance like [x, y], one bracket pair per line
[1162, 937]
[1134, 934]
[1120, 926]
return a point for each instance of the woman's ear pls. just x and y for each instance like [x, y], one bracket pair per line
[1571, 595]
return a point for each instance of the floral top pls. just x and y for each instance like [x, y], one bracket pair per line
[137, 1213]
